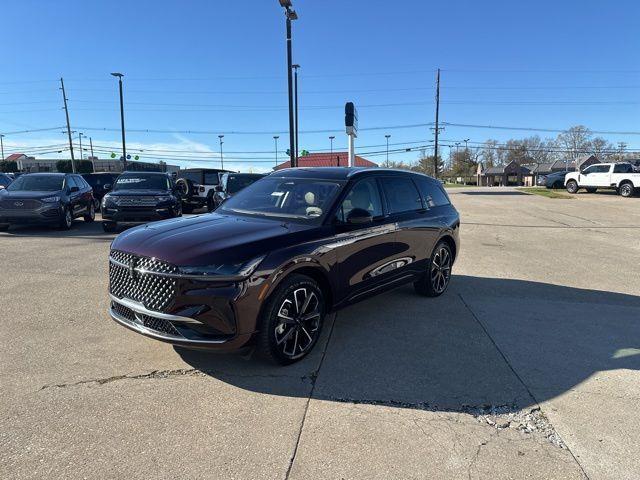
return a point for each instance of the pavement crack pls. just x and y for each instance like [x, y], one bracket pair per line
[163, 374]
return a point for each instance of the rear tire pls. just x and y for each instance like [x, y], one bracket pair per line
[291, 321]
[109, 227]
[626, 189]
[436, 279]
[591, 189]
[572, 186]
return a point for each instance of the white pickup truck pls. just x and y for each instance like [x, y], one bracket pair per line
[617, 176]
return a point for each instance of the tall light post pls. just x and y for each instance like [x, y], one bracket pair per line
[221, 159]
[387, 137]
[466, 144]
[124, 146]
[291, 15]
[275, 139]
[1, 147]
[295, 94]
[331, 138]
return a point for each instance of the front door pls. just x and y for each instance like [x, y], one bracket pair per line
[364, 253]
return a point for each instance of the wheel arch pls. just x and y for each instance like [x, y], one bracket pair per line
[448, 239]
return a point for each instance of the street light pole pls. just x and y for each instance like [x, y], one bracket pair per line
[331, 140]
[387, 137]
[275, 138]
[2, 147]
[124, 146]
[291, 15]
[80, 137]
[221, 159]
[295, 89]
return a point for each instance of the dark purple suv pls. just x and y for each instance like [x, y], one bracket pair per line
[268, 265]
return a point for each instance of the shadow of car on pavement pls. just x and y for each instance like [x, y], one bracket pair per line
[486, 342]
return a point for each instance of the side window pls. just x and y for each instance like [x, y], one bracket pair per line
[602, 168]
[211, 178]
[433, 194]
[402, 195]
[80, 182]
[364, 194]
[622, 168]
[70, 182]
[589, 169]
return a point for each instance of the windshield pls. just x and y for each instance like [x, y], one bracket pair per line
[235, 183]
[141, 182]
[37, 183]
[288, 198]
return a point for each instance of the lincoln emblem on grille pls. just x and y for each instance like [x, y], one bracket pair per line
[132, 269]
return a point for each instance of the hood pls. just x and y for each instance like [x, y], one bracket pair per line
[137, 193]
[208, 239]
[23, 194]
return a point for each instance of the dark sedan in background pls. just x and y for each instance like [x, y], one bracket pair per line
[46, 198]
[552, 180]
[271, 261]
[101, 183]
[140, 197]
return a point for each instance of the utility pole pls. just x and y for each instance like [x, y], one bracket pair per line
[437, 130]
[80, 137]
[124, 146]
[295, 89]
[622, 146]
[2, 146]
[221, 159]
[331, 140]
[91, 146]
[275, 138]
[93, 160]
[66, 111]
[387, 137]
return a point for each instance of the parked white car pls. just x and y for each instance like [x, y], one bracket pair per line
[618, 176]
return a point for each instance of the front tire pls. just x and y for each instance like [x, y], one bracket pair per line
[67, 219]
[436, 279]
[292, 320]
[91, 215]
[572, 186]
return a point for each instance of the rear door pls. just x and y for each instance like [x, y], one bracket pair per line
[75, 202]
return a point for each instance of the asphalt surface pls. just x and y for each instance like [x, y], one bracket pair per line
[526, 368]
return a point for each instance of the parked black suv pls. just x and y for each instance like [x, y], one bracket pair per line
[197, 187]
[46, 198]
[140, 197]
[101, 182]
[232, 183]
[268, 265]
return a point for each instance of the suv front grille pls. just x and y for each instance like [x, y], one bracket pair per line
[155, 292]
[17, 204]
[136, 201]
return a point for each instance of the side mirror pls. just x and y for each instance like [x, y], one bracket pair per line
[359, 216]
[106, 187]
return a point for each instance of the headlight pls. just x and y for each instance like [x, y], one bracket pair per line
[106, 200]
[164, 198]
[55, 198]
[227, 269]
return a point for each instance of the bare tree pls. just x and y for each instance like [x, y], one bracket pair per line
[576, 141]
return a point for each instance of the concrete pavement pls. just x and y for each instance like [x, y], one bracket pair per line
[526, 368]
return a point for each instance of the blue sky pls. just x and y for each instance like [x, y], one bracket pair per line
[220, 67]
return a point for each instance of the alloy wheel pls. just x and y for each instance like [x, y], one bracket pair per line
[298, 323]
[92, 211]
[626, 190]
[440, 270]
[68, 218]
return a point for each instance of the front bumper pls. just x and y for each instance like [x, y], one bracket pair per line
[139, 214]
[47, 214]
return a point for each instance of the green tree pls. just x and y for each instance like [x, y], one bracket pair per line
[8, 166]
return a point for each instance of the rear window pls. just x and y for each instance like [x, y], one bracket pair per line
[402, 195]
[211, 178]
[433, 194]
[195, 177]
[235, 183]
[623, 168]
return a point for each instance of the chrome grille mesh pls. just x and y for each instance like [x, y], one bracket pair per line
[152, 323]
[154, 291]
[137, 201]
